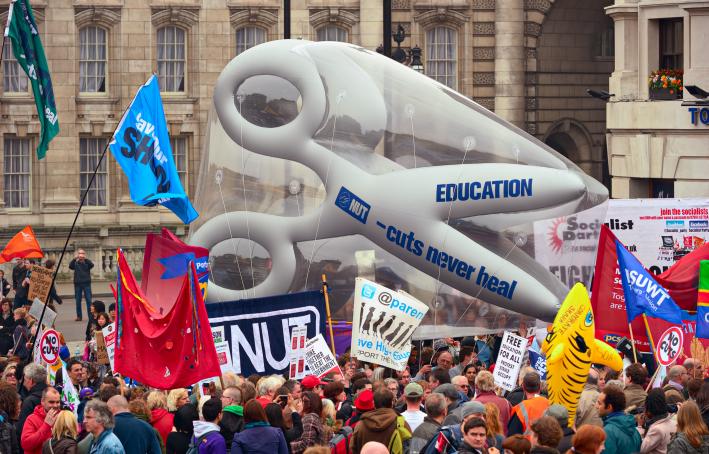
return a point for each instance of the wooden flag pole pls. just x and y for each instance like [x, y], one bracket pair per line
[632, 340]
[327, 310]
[649, 336]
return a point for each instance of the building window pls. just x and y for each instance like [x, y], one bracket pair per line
[172, 58]
[662, 189]
[607, 42]
[14, 77]
[671, 44]
[248, 37]
[92, 59]
[90, 151]
[17, 173]
[332, 33]
[179, 153]
[441, 55]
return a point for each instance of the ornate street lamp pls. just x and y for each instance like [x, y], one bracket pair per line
[416, 63]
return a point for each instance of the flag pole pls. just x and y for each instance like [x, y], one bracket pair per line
[649, 336]
[71, 230]
[632, 340]
[329, 318]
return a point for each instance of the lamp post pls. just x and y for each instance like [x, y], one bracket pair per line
[416, 63]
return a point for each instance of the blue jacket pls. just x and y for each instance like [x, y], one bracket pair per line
[622, 436]
[136, 436]
[107, 443]
[259, 439]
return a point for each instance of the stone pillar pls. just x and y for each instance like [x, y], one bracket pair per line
[624, 80]
[370, 23]
[509, 61]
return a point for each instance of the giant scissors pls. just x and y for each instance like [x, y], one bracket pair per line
[407, 212]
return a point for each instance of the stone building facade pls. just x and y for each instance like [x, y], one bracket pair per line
[658, 143]
[528, 60]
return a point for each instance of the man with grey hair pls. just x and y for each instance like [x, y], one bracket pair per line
[436, 411]
[694, 367]
[99, 421]
[561, 414]
[485, 394]
[586, 412]
[34, 381]
[136, 435]
[267, 388]
[677, 378]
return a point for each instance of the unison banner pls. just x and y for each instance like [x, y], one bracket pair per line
[259, 330]
[382, 324]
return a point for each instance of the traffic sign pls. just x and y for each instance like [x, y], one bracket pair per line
[669, 346]
[49, 346]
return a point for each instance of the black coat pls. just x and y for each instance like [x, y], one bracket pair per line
[230, 424]
[82, 271]
[177, 442]
[8, 328]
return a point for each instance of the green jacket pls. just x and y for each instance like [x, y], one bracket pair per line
[622, 436]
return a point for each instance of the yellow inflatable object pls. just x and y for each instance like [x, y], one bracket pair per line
[571, 348]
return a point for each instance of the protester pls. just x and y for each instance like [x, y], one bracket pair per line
[178, 441]
[677, 378]
[413, 393]
[586, 412]
[451, 395]
[21, 283]
[8, 374]
[53, 295]
[436, 411]
[474, 436]
[444, 361]
[466, 356]
[695, 368]
[561, 414]
[9, 411]
[64, 433]
[485, 388]
[313, 431]
[7, 326]
[5, 286]
[364, 402]
[494, 428]
[517, 395]
[588, 439]
[258, 437]
[622, 436]
[160, 418]
[373, 447]
[458, 415]
[20, 335]
[313, 384]
[136, 435]
[335, 391]
[267, 388]
[635, 377]
[232, 414]
[438, 377]
[206, 433]
[462, 386]
[382, 425]
[658, 425]
[98, 420]
[692, 434]
[530, 409]
[546, 435]
[34, 382]
[516, 444]
[470, 372]
[82, 281]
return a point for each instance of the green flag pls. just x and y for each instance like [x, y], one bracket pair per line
[28, 50]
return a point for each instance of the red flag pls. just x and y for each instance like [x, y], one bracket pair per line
[657, 326]
[682, 279]
[24, 245]
[170, 350]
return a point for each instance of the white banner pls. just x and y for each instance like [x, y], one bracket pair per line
[509, 361]
[224, 356]
[382, 325]
[319, 358]
[36, 312]
[296, 370]
[109, 337]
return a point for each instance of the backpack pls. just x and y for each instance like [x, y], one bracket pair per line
[195, 443]
[399, 441]
[448, 442]
[340, 443]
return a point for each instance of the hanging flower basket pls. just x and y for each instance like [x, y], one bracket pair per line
[665, 84]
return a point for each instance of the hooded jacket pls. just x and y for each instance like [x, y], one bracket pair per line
[380, 425]
[232, 422]
[259, 438]
[163, 421]
[622, 436]
[213, 442]
[35, 431]
[680, 445]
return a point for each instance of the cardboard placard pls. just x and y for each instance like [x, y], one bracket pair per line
[109, 338]
[509, 361]
[36, 312]
[40, 282]
[218, 334]
[319, 358]
[224, 356]
[296, 371]
[101, 353]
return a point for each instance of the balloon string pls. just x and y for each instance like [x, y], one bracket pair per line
[327, 175]
[231, 236]
[243, 185]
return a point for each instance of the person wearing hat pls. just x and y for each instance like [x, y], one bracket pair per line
[561, 414]
[451, 394]
[363, 403]
[312, 383]
[413, 393]
[382, 425]
[458, 415]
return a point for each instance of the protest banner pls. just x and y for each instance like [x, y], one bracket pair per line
[319, 357]
[217, 334]
[259, 330]
[52, 370]
[669, 346]
[49, 346]
[296, 369]
[382, 325]
[36, 312]
[205, 386]
[224, 356]
[40, 283]
[109, 337]
[509, 361]
[101, 353]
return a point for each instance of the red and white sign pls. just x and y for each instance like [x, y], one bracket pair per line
[109, 337]
[49, 346]
[669, 345]
[297, 353]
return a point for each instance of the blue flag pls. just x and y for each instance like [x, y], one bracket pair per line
[642, 292]
[537, 360]
[141, 146]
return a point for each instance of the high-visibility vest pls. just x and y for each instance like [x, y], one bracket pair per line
[528, 411]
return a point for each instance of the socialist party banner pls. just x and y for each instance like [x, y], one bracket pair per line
[659, 232]
[382, 325]
[259, 330]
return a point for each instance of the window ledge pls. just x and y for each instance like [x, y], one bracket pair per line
[17, 99]
[178, 99]
[96, 100]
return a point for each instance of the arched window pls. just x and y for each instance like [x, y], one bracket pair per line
[93, 56]
[332, 33]
[248, 37]
[442, 55]
[172, 58]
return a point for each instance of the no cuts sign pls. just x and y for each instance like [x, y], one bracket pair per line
[49, 346]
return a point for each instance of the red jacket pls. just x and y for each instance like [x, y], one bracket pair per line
[35, 431]
[163, 421]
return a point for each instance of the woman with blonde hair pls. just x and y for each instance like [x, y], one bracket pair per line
[492, 422]
[589, 439]
[64, 434]
[692, 434]
[8, 374]
[176, 398]
[160, 418]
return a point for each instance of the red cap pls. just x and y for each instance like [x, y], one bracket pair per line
[311, 381]
[365, 400]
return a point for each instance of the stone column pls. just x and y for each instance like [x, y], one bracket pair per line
[370, 23]
[624, 80]
[509, 61]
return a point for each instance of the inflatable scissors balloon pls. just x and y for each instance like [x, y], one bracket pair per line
[349, 114]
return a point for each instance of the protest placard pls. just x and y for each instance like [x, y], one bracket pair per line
[319, 358]
[297, 353]
[509, 361]
[101, 353]
[40, 282]
[218, 334]
[36, 312]
[382, 325]
[109, 337]
[224, 356]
